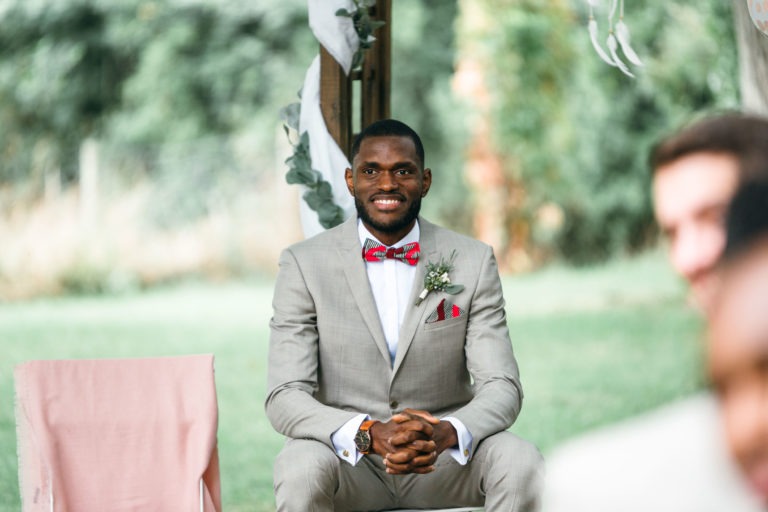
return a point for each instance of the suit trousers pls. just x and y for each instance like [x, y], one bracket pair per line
[505, 474]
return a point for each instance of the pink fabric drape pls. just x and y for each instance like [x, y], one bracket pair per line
[118, 435]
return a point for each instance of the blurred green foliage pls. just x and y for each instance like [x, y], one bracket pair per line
[147, 75]
[170, 85]
[423, 59]
[577, 132]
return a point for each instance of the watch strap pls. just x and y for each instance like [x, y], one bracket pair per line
[367, 424]
[366, 427]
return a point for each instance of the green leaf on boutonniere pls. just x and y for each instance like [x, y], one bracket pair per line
[453, 289]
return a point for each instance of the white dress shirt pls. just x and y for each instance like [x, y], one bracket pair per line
[391, 283]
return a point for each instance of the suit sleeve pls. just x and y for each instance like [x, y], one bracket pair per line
[498, 393]
[293, 361]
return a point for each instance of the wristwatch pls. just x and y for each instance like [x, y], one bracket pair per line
[363, 440]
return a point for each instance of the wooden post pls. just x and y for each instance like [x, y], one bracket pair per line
[336, 100]
[376, 76]
[336, 88]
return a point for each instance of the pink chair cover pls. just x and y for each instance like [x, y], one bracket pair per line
[118, 435]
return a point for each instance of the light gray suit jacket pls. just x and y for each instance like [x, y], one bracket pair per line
[328, 358]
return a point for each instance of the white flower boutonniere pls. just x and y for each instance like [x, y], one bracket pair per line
[437, 279]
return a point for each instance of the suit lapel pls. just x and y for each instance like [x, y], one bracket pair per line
[415, 314]
[354, 270]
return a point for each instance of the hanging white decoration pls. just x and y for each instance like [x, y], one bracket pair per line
[595, 42]
[758, 11]
[612, 47]
[622, 33]
[617, 39]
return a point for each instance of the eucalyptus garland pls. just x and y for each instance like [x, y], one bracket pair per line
[364, 26]
[319, 194]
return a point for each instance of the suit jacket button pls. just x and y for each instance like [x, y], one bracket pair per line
[393, 404]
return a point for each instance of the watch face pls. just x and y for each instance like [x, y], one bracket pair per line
[363, 441]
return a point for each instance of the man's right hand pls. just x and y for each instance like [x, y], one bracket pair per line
[405, 442]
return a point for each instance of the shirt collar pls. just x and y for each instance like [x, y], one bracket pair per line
[412, 236]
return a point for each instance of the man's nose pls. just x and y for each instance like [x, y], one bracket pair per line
[387, 180]
[695, 251]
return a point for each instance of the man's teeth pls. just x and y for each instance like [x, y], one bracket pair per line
[387, 201]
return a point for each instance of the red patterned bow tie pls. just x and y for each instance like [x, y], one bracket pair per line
[374, 251]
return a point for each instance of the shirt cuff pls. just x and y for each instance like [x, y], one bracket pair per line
[463, 453]
[344, 439]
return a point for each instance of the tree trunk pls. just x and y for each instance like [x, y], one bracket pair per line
[753, 60]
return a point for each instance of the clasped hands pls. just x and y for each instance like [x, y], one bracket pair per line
[410, 441]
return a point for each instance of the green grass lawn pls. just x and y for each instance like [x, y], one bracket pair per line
[594, 345]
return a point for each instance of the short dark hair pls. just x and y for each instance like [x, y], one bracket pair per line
[746, 222]
[388, 128]
[743, 136]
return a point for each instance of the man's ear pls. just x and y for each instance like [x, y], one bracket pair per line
[348, 177]
[426, 181]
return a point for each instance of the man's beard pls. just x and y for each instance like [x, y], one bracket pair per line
[393, 226]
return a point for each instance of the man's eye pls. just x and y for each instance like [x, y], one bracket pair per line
[368, 171]
[403, 172]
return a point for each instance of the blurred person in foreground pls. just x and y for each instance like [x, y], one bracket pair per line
[674, 458]
[391, 370]
[695, 174]
[737, 361]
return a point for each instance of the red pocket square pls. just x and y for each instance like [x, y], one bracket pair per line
[444, 310]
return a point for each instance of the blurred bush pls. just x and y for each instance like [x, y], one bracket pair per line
[573, 132]
[423, 63]
[140, 72]
[181, 100]
[178, 101]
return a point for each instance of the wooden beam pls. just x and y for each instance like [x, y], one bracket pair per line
[336, 100]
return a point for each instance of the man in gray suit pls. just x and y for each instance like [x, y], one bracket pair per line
[394, 385]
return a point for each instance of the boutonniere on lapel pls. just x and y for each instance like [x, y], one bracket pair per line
[437, 279]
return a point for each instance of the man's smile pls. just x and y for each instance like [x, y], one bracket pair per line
[388, 203]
